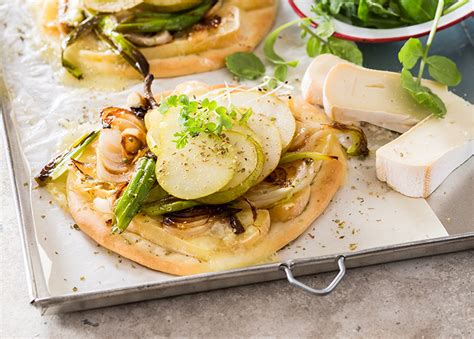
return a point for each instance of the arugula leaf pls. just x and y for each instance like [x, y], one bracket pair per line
[377, 7]
[419, 10]
[325, 29]
[245, 65]
[443, 70]
[313, 47]
[363, 10]
[422, 95]
[383, 13]
[410, 53]
[345, 49]
[440, 68]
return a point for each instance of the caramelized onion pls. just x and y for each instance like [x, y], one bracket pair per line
[266, 194]
[121, 142]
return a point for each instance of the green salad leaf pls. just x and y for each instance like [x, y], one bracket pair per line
[346, 50]
[384, 13]
[422, 95]
[245, 65]
[443, 70]
[410, 53]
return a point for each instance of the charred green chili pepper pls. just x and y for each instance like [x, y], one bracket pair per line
[56, 167]
[83, 29]
[120, 45]
[167, 205]
[135, 194]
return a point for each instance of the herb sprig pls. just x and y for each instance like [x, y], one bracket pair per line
[320, 40]
[440, 68]
[204, 116]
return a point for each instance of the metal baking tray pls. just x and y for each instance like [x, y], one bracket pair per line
[452, 203]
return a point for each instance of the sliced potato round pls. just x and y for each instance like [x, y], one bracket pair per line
[267, 105]
[269, 137]
[249, 161]
[204, 166]
[152, 140]
[152, 118]
[111, 6]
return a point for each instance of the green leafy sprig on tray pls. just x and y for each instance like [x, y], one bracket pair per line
[440, 68]
[245, 65]
[248, 65]
[204, 116]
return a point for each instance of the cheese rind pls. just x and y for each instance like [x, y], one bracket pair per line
[417, 162]
[315, 75]
[352, 94]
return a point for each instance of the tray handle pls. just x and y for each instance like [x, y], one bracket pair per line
[291, 279]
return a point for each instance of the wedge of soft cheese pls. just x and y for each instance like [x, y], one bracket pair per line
[352, 94]
[315, 75]
[417, 162]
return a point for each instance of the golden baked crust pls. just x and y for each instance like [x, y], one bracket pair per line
[135, 247]
[255, 23]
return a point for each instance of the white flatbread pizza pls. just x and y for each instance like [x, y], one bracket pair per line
[201, 178]
[167, 38]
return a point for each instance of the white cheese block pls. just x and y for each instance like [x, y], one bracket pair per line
[315, 75]
[352, 94]
[417, 162]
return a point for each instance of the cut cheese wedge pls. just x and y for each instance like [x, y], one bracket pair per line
[315, 75]
[352, 94]
[417, 162]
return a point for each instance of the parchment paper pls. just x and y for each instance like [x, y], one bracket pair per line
[364, 214]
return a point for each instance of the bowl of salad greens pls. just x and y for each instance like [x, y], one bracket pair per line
[382, 20]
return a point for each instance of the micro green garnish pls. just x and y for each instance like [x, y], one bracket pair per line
[56, 167]
[204, 116]
[245, 65]
[320, 41]
[135, 194]
[440, 68]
